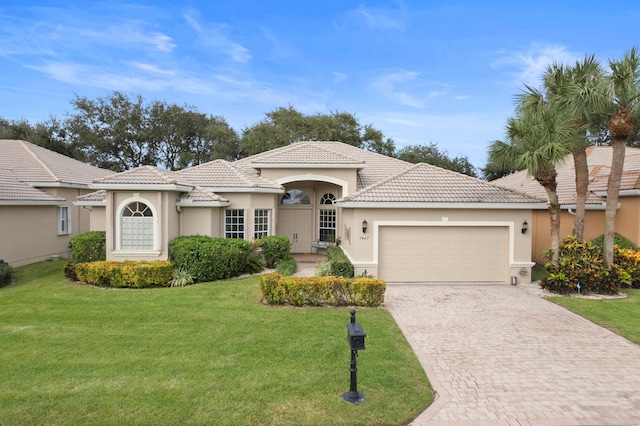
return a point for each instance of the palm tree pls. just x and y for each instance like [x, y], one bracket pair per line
[537, 141]
[624, 91]
[579, 89]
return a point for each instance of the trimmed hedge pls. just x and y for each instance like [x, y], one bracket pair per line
[318, 291]
[128, 274]
[209, 259]
[274, 249]
[88, 247]
[339, 262]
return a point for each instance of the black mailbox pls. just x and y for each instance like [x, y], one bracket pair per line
[355, 333]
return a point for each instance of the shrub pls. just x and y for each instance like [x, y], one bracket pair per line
[255, 262]
[317, 291]
[209, 259]
[6, 273]
[628, 260]
[339, 262]
[274, 249]
[69, 270]
[323, 268]
[88, 247]
[581, 263]
[181, 278]
[129, 274]
[618, 240]
[96, 273]
[287, 266]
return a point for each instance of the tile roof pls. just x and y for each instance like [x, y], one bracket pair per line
[425, 183]
[144, 175]
[201, 195]
[223, 174]
[12, 191]
[93, 197]
[599, 160]
[34, 164]
[377, 166]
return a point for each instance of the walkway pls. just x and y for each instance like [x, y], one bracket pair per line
[499, 355]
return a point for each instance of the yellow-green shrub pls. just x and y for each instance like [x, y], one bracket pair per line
[130, 274]
[327, 290]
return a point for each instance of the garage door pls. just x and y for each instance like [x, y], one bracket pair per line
[443, 254]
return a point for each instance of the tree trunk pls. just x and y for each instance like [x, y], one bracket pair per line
[582, 189]
[613, 189]
[554, 218]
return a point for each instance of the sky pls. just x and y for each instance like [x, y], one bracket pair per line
[420, 71]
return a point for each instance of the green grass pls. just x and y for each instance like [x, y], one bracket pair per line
[538, 272]
[622, 316]
[204, 354]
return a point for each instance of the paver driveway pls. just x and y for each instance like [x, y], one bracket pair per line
[498, 354]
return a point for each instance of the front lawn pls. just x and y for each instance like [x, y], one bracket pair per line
[204, 354]
[621, 316]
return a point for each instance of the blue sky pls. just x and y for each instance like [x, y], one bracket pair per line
[420, 71]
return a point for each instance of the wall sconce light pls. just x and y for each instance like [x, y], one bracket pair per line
[525, 227]
[365, 224]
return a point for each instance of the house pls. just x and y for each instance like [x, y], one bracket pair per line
[599, 161]
[398, 221]
[37, 191]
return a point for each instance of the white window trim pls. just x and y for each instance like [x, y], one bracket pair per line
[118, 223]
[268, 223]
[64, 217]
[335, 221]
[244, 224]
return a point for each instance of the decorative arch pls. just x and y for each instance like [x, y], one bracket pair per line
[321, 178]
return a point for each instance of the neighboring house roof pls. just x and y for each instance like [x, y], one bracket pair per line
[13, 192]
[39, 166]
[222, 176]
[372, 167]
[599, 161]
[422, 185]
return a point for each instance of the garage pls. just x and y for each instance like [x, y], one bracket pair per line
[444, 254]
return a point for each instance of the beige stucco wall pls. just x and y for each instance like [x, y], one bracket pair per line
[30, 233]
[627, 224]
[359, 246]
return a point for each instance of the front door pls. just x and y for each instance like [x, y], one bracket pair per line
[297, 225]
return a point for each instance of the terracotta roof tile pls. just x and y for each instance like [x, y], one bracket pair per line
[599, 160]
[425, 183]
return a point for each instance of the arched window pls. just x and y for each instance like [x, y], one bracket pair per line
[328, 198]
[295, 197]
[136, 231]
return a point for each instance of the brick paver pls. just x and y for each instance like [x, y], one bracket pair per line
[499, 355]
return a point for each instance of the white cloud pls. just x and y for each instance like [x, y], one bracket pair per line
[379, 19]
[212, 36]
[405, 88]
[528, 66]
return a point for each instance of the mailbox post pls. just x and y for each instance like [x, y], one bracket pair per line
[355, 338]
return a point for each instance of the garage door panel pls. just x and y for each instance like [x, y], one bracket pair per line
[443, 254]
